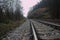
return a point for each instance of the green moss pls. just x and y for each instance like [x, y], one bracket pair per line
[6, 27]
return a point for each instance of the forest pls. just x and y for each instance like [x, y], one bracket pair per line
[10, 15]
[46, 10]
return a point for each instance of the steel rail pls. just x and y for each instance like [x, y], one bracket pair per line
[34, 32]
[56, 26]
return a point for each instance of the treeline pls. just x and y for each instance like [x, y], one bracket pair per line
[10, 10]
[46, 9]
[10, 16]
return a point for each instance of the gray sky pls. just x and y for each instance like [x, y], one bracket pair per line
[27, 4]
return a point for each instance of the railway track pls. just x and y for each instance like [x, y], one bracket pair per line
[35, 37]
[44, 32]
[33, 30]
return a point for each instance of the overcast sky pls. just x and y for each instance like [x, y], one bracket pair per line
[27, 4]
